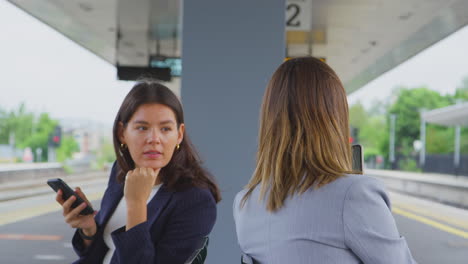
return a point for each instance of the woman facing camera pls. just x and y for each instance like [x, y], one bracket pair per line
[303, 203]
[160, 204]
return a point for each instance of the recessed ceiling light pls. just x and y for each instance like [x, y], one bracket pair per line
[405, 16]
[128, 44]
[85, 7]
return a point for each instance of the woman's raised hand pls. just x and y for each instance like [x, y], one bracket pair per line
[138, 185]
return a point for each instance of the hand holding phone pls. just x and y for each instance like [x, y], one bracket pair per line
[67, 192]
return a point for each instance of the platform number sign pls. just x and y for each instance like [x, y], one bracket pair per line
[298, 15]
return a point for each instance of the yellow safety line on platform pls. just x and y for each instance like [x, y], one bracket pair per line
[430, 222]
[420, 211]
[25, 213]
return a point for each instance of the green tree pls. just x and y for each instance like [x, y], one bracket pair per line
[371, 126]
[357, 115]
[373, 135]
[68, 146]
[40, 136]
[461, 92]
[440, 139]
[105, 154]
[18, 123]
[29, 131]
[4, 133]
[409, 104]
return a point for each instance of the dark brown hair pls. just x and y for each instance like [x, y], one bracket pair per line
[184, 169]
[304, 132]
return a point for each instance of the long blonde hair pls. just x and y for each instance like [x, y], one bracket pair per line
[304, 132]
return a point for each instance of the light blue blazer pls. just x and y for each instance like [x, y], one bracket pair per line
[346, 221]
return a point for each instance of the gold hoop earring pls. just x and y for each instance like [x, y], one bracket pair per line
[178, 147]
[123, 146]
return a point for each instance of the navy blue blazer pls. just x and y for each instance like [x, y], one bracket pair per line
[177, 223]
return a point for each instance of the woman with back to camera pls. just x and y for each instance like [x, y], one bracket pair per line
[160, 204]
[303, 204]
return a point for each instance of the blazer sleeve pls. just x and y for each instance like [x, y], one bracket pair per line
[192, 219]
[98, 243]
[369, 227]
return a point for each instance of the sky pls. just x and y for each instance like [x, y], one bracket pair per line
[441, 67]
[50, 73]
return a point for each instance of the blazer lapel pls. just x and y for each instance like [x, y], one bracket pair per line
[158, 203]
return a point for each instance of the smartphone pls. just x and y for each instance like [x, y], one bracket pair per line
[67, 192]
[358, 158]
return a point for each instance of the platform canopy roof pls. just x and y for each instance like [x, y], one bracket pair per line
[448, 116]
[360, 39]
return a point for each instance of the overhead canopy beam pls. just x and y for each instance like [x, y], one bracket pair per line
[454, 115]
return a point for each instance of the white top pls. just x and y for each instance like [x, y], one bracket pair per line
[116, 221]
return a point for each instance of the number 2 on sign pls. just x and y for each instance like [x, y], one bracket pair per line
[293, 20]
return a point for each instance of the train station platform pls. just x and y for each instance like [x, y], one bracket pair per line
[23, 183]
[443, 188]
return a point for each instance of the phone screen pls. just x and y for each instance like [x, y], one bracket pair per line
[357, 159]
